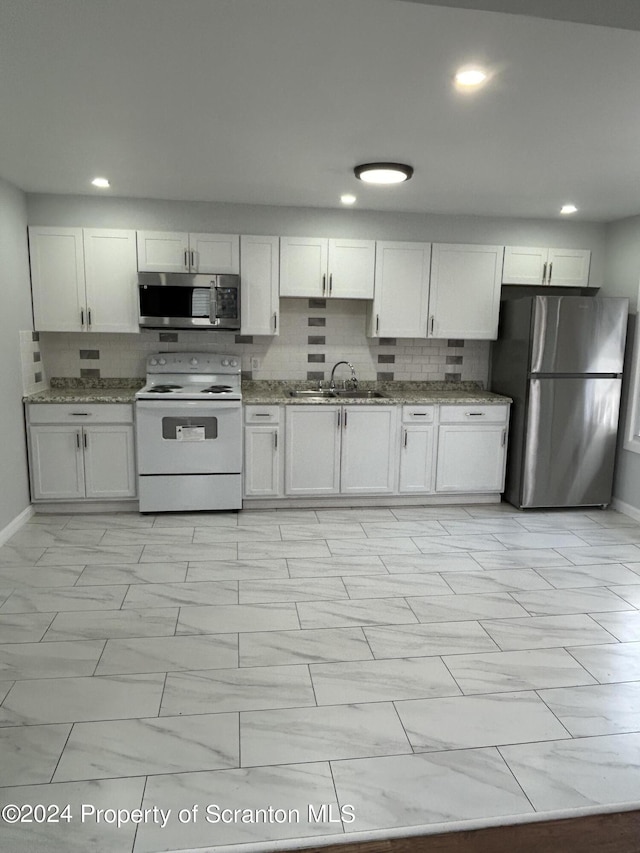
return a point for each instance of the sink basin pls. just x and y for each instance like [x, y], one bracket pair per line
[328, 394]
[322, 393]
[358, 395]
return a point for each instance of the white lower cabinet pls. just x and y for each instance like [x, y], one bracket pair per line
[471, 448]
[70, 459]
[417, 450]
[263, 468]
[334, 450]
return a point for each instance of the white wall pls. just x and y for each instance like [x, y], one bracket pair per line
[15, 317]
[622, 278]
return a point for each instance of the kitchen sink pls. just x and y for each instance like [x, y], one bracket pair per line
[337, 393]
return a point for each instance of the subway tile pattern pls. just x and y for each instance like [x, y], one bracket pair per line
[332, 329]
[424, 665]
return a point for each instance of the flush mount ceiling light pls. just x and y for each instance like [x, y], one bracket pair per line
[566, 209]
[470, 77]
[383, 173]
[102, 183]
[347, 198]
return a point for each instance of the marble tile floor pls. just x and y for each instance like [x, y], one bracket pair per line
[349, 673]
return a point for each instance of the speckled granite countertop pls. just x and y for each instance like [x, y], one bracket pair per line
[395, 393]
[70, 390]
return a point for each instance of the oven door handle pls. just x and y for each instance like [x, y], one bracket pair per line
[185, 407]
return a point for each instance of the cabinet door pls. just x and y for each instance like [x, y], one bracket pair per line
[303, 266]
[312, 450]
[262, 461]
[110, 272]
[369, 447]
[471, 458]
[524, 265]
[259, 291]
[57, 279]
[351, 268]
[464, 295]
[109, 465]
[163, 251]
[416, 459]
[569, 267]
[214, 253]
[401, 291]
[55, 462]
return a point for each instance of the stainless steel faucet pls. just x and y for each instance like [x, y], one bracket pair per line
[354, 378]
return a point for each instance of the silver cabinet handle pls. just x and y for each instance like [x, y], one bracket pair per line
[275, 440]
[418, 414]
[186, 260]
[89, 316]
[550, 272]
[194, 261]
[84, 435]
[504, 437]
[275, 322]
[262, 415]
[345, 418]
[544, 272]
[330, 283]
[80, 414]
[78, 440]
[377, 322]
[433, 322]
[475, 414]
[82, 316]
[324, 283]
[339, 418]
[405, 437]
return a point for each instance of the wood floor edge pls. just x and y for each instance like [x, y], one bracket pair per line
[617, 832]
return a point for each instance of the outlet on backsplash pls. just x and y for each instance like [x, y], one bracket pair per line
[255, 362]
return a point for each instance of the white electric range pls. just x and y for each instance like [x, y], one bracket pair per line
[189, 433]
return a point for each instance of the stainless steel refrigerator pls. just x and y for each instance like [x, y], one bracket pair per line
[560, 359]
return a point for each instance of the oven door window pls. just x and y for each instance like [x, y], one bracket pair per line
[190, 429]
[170, 301]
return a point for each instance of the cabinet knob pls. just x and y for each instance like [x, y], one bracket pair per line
[193, 361]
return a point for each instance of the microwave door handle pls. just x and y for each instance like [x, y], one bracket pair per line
[213, 305]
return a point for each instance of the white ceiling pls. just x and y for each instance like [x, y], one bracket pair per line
[275, 101]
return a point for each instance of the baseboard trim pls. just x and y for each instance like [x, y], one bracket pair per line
[626, 509]
[85, 506]
[15, 525]
[341, 501]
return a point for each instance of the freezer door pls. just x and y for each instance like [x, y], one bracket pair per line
[570, 442]
[575, 334]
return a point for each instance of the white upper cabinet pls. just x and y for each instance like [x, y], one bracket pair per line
[175, 251]
[536, 266]
[319, 267]
[259, 264]
[464, 295]
[83, 279]
[401, 293]
[110, 280]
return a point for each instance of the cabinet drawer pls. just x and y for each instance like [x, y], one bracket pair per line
[471, 413]
[262, 414]
[80, 413]
[418, 414]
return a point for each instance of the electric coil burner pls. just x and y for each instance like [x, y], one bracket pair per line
[189, 433]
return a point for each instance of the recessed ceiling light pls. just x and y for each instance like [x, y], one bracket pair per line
[383, 173]
[103, 183]
[568, 208]
[470, 77]
[347, 198]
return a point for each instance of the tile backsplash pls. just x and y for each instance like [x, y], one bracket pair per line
[314, 335]
[33, 375]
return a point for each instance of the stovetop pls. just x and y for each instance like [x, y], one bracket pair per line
[192, 376]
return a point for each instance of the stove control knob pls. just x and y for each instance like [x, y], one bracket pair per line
[234, 362]
[153, 361]
[162, 361]
[225, 362]
[193, 361]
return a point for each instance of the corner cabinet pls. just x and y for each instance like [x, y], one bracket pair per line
[464, 293]
[177, 251]
[78, 452]
[259, 291]
[318, 267]
[554, 267]
[263, 468]
[83, 279]
[401, 295]
[333, 450]
[472, 446]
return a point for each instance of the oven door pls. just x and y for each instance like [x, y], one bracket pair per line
[188, 437]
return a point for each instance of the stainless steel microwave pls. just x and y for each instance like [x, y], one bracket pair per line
[184, 301]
